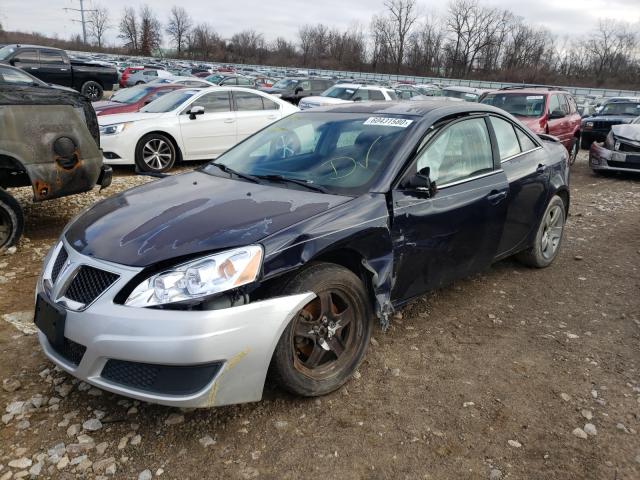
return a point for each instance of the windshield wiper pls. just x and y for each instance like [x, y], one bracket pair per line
[231, 171]
[297, 181]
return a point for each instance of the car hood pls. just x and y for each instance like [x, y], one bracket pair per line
[532, 122]
[127, 117]
[184, 215]
[610, 119]
[628, 132]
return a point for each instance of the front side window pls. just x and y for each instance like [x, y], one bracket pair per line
[621, 108]
[26, 56]
[554, 104]
[213, 102]
[508, 144]
[461, 151]
[343, 153]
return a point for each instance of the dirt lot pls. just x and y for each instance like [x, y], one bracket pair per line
[488, 378]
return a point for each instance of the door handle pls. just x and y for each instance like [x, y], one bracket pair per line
[34, 68]
[541, 168]
[496, 197]
[229, 120]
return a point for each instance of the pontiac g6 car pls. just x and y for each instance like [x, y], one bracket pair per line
[277, 257]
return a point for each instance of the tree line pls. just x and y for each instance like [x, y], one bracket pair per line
[468, 40]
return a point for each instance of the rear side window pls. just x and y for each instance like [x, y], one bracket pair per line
[244, 81]
[375, 95]
[269, 104]
[508, 144]
[573, 107]
[554, 104]
[247, 101]
[526, 143]
[51, 57]
[461, 151]
[151, 73]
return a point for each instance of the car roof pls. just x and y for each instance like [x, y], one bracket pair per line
[417, 108]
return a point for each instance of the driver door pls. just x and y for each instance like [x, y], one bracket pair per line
[212, 133]
[456, 231]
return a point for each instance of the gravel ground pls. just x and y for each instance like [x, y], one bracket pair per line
[514, 374]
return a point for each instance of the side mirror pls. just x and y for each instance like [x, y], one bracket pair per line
[422, 183]
[197, 110]
[12, 62]
[557, 114]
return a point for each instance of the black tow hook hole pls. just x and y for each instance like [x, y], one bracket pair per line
[66, 151]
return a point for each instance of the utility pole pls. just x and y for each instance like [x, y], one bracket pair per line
[82, 10]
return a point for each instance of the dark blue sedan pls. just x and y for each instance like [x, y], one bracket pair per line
[277, 257]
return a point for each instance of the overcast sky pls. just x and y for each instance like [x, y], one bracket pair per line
[283, 17]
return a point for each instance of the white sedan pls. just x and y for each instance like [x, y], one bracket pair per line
[187, 124]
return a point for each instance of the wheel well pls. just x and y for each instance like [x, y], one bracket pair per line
[170, 137]
[351, 260]
[13, 173]
[564, 195]
[93, 80]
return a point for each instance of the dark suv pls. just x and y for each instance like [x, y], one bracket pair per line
[615, 111]
[293, 89]
[543, 110]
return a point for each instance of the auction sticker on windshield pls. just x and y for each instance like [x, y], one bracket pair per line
[389, 122]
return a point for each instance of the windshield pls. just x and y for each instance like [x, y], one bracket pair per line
[6, 51]
[130, 95]
[169, 102]
[285, 84]
[621, 108]
[519, 104]
[340, 92]
[343, 153]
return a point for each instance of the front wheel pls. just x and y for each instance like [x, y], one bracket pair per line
[327, 340]
[548, 238]
[155, 153]
[11, 220]
[92, 90]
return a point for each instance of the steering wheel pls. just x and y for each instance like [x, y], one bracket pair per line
[285, 145]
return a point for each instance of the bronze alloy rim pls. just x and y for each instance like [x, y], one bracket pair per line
[6, 228]
[325, 334]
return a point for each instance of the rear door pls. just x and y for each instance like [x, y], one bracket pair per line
[54, 66]
[253, 112]
[524, 163]
[456, 231]
[212, 133]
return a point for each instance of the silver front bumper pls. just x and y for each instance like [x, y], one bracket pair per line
[242, 338]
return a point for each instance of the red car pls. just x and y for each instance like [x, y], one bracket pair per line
[132, 99]
[544, 110]
[125, 74]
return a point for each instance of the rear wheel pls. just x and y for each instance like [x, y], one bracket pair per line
[11, 220]
[327, 340]
[155, 153]
[92, 90]
[548, 238]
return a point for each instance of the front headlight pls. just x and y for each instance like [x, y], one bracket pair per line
[588, 125]
[114, 129]
[199, 278]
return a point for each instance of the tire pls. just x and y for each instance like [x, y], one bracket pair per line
[573, 154]
[149, 146]
[11, 220]
[546, 246]
[585, 142]
[313, 336]
[92, 90]
[140, 82]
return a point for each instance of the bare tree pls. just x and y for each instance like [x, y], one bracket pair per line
[128, 29]
[247, 45]
[611, 46]
[98, 24]
[203, 43]
[394, 27]
[150, 31]
[178, 27]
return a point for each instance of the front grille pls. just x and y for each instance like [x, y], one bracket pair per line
[629, 165]
[625, 147]
[88, 284]
[162, 379]
[71, 351]
[58, 264]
